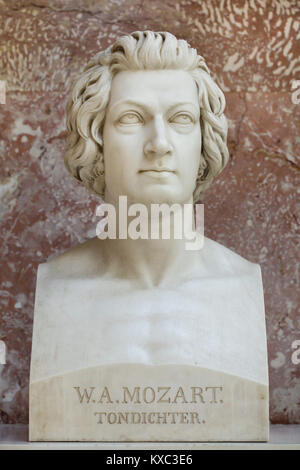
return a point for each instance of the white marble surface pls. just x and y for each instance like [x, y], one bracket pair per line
[15, 437]
[135, 402]
[213, 318]
[210, 324]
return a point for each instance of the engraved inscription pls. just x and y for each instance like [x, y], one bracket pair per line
[136, 395]
[134, 417]
[149, 395]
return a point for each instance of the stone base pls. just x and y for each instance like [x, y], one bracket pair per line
[135, 402]
[282, 437]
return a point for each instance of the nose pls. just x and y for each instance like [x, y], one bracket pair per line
[158, 144]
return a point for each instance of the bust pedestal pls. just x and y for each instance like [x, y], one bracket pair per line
[116, 362]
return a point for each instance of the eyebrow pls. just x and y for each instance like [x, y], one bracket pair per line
[149, 109]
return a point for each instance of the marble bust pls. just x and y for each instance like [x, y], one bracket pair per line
[121, 323]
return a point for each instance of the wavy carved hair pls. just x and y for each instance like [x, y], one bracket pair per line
[86, 108]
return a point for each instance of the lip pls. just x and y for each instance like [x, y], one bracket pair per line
[158, 174]
[157, 170]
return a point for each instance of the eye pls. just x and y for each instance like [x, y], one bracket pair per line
[182, 118]
[131, 118]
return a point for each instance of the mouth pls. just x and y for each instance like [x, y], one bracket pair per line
[159, 174]
[157, 170]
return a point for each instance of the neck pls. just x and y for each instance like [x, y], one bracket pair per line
[149, 261]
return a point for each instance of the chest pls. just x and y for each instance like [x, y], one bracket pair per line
[108, 321]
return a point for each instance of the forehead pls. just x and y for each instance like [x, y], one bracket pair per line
[154, 86]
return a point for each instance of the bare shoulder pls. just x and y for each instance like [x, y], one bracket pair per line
[224, 261]
[83, 260]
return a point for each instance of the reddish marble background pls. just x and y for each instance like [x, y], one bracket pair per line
[252, 49]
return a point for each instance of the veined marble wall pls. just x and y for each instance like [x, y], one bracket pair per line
[252, 48]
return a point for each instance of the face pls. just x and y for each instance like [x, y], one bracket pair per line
[152, 137]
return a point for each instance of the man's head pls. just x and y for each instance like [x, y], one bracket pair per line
[89, 136]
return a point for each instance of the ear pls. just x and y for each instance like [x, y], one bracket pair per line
[203, 169]
[99, 176]
[202, 180]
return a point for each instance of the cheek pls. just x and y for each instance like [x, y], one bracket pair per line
[112, 164]
[190, 154]
[124, 148]
[118, 166]
[195, 151]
